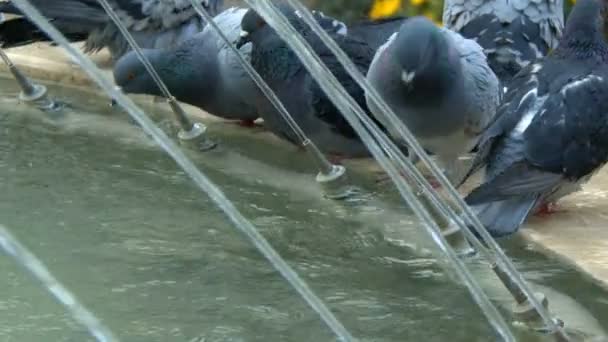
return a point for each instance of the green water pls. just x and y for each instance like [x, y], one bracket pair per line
[125, 230]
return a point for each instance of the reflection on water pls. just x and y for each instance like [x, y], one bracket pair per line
[126, 231]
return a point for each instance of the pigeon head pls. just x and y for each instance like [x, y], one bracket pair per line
[424, 54]
[189, 72]
[251, 24]
[586, 21]
[131, 75]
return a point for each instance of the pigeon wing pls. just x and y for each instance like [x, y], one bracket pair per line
[361, 54]
[570, 134]
[519, 100]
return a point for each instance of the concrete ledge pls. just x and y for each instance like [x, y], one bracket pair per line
[49, 63]
[577, 234]
[53, 64]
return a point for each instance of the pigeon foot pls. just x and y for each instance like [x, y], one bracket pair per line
[547, 209]
[335, 158]
[246, 123]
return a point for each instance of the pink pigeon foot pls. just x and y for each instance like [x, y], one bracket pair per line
[547, 209]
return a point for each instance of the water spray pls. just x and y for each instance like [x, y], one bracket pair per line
[201, 180]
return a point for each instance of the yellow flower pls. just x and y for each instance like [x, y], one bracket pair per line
[429, 14]
[384, 8]
[417, 2]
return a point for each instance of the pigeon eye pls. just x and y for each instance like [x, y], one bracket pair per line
[131, 76]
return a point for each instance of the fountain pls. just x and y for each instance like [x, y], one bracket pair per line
[31, 92]
[241, 223]
[527, 301]
[439, 219]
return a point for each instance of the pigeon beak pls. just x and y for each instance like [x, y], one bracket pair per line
[244, 39]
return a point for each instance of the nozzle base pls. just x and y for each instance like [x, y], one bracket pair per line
[335, 183]
[454, 236]
[38, 93]
[196, 138]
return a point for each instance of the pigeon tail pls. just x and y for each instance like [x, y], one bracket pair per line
[154, 23]
[503, 218]
[455, 171]
[19, 31]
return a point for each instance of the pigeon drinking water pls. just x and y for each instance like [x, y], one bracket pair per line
[439, 84]
[153, 23]
[551, 131]
[203, 71]
[303, 98]
[513, 33]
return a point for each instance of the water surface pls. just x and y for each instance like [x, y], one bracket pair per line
[122, 227]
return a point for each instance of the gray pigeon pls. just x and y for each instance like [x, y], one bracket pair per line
[439, 84]
[513, 33]
[153, 23]
[309, 106]
[203, 71]
[551, 131]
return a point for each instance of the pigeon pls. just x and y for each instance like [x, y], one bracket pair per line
[301, 95]
[550, 134]
[513, 33]
[439, 84]
[376, 32]
[153, 23]
[203, 71]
